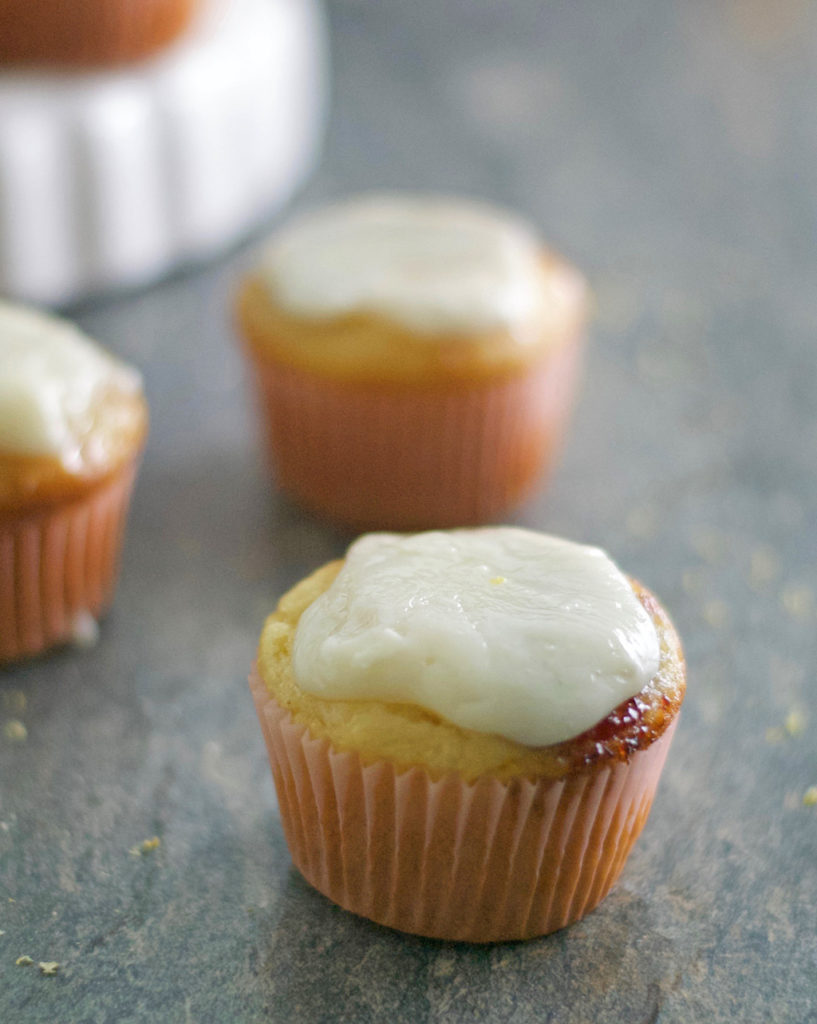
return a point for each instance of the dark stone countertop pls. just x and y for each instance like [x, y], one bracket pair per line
[670, 149]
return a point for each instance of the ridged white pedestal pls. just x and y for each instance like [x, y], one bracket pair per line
[111, 179]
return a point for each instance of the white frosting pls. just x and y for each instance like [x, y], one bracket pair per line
[51, 376]
[432, 265]
[500, 630]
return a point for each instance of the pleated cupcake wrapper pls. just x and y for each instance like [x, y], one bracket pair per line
[59, 563]
[88, 32]
[480, 862]
[375, 456]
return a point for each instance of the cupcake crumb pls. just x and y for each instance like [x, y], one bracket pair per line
[14, 701]
[642, 522]
[692, 580]
[764, 566]
[84, 631]
[24, 961]
[716, 613]
[795, 723]
[498, 579]
[48, 967]
[810, 797]
[146, 846]
[709, 544]
[15, 731]
[798, 600]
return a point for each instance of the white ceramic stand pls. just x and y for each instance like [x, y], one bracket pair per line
[111, 179]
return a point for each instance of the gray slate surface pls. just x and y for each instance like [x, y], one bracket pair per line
[671, 150]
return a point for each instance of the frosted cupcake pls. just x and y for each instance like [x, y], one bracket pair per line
[466, 729]
[415, 359]
[72, 425]
[88, 33]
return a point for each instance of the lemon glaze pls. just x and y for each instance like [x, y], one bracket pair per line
[499, 630]
[51, 378]
[431, 264]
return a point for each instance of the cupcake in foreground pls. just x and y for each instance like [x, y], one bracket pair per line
[88, 33]
[466, 729]
[415, 360]
[72, 425]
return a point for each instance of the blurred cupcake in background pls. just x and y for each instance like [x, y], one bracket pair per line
[88, 33]
[137, 135]
[73, 421]
[414, 358]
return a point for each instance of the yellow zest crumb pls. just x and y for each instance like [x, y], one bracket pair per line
[764, 566]
[798, 600]
[14, 700]
[692, 580]
[23, 961]
[498, 579]
[795, 723]
[810, 797]
[709, 544]
[146, 846]
[642, 522]
[49, 967]
[15, 731]
[716, 613]
[774, 734]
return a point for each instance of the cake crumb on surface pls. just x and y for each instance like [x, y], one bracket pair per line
[798, 600]
[716, 613]
[693, 580]
[48, 967]
[84, 631]
[642, 522]
[764, 566]
[146, 846]
[709, 544]
[810, 797]
[23, 961]
[14, 700]
[795, 723]
[15, 731]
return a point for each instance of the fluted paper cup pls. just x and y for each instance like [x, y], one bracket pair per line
[481, 862]
[87, 33]
[58, 564]
[380, 456]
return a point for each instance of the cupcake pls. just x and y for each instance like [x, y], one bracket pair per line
[466, 729]
[88, 33]
[72, 425]
[414, 359]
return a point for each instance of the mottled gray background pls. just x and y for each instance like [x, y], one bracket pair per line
[671, 150]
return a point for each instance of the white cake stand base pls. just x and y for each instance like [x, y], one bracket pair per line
[111, 179]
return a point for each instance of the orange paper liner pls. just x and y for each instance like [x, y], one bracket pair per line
[380, 456]
[482, 862]
[87, 33]
[57, 563]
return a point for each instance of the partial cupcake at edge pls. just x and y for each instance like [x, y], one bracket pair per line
[73, 421]
[414, 359]
[466, 728]
[88, 33]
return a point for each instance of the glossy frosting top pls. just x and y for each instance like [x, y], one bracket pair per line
[52, 378]
[434, 265]
[499, 630]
